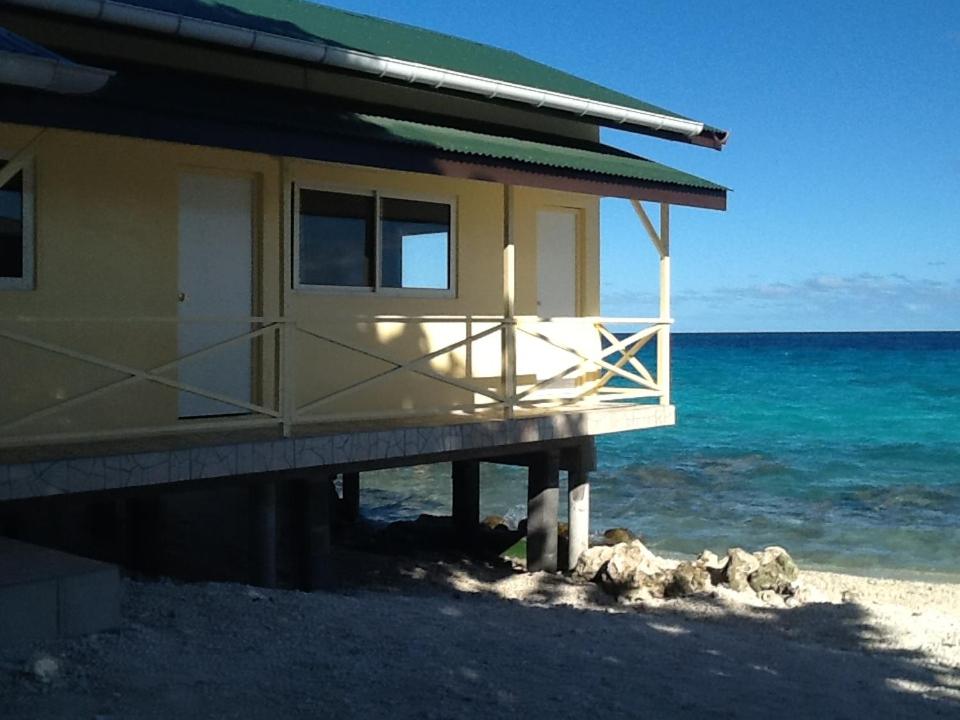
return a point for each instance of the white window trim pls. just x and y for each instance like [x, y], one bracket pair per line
[326, 289]
[378, 288]
[23, 165]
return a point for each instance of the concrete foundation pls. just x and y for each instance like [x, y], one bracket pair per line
[46, 594]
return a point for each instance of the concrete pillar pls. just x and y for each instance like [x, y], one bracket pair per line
[543, 497]
[578, 514]
[351, 496]
[466, 499]
[121, 523]
[8, 525]
[263, 534]
[316, 569]
[143, 527]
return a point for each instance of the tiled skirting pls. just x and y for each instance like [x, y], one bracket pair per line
[85, 474]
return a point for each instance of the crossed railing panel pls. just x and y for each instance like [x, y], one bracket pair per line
[414, 365]
[646, 386]
[592, 367]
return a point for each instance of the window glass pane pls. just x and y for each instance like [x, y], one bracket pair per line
[11, 227]
[336, 239]
[416, 244]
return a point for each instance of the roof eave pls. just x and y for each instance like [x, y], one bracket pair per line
[32, 108]
[440, 79]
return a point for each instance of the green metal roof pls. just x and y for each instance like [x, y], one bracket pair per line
[604, 159]
[309, 21]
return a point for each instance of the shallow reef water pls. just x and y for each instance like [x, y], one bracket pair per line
[842, 447]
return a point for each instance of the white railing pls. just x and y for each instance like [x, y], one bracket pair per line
[552, 363]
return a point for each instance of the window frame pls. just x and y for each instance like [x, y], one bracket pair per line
[25, 166]
[378, 288]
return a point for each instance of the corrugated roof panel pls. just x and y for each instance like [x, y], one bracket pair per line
[604, 160]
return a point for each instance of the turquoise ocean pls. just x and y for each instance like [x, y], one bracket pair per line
[842, 447]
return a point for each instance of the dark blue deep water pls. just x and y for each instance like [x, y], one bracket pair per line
[842, 447]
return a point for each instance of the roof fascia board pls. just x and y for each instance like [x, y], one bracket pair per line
[381, 67]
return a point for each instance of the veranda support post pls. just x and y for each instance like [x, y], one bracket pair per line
[543, 496]
[509, 337]
[466, 500]
[661, 241]
[578, 512]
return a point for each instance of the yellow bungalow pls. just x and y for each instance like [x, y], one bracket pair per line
[274, 241]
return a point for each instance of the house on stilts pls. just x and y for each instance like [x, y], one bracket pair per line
[268, 241]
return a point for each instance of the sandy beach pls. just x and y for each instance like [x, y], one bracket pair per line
[438, 639]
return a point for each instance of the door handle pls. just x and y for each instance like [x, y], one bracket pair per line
[181, 296]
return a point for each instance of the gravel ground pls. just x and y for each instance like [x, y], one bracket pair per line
[419, 639]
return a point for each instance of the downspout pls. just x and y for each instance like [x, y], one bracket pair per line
[316, 51]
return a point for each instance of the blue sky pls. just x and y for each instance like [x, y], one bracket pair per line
[844, 156]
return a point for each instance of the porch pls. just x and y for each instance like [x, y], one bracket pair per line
[560, 383]
[475, 370]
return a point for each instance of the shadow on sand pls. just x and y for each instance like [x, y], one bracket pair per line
[691, 658]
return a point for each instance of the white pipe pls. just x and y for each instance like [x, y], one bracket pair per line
[53, 75]
[358, 61]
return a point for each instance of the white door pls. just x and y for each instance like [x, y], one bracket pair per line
[557, 263]
[216, 281]
[556, 298]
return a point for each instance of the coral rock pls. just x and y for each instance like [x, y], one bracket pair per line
[688, 579]
[44, 668]
[717, 567]
[776, 571]
[615, 536]
[494, 521]
[772, 598]
[740, 565]
[628, 570]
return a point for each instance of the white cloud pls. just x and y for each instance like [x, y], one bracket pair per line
[894, 288]
[825, 301]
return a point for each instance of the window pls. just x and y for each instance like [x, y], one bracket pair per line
[16, 227]
[373, 243]
[337, 239]
[415, 244]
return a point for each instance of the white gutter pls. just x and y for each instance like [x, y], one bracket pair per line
[358, 61]
[51, 74]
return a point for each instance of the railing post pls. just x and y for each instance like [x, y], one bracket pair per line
[663, 336]
[509, 341]
[509, 337]
[288, 398]
[663, 364]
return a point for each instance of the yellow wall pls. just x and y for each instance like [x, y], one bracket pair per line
[106, 247]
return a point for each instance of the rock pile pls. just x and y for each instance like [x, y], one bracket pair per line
[632, 573]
